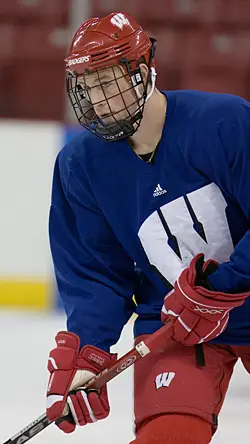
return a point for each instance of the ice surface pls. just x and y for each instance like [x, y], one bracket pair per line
[26, 339]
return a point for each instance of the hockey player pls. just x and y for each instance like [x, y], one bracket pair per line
[162, 210]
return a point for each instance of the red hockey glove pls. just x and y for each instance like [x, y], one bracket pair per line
[198, 314]
[71, 368]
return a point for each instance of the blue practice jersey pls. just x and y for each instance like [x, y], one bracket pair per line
[120, 226]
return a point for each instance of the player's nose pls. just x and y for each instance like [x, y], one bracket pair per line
[102, 109]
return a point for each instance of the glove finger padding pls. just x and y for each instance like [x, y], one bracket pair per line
[88, 406]
[66, 423]
[99, 403]
[62, 365]
[198, 331]
[71, 368]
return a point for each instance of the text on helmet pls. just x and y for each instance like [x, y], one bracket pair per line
[83, 59]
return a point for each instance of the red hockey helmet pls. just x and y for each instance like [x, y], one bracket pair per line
[101, 43]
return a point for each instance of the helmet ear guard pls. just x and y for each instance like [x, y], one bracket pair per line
[134, 48]
[136, 74]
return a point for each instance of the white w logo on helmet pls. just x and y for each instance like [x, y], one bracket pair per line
[207, 311]
[119, 20]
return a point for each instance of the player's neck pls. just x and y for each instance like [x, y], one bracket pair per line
[148, 135]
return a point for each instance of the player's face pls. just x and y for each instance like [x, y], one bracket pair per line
[110, 93]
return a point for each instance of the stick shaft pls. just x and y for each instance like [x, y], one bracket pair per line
[30, 430]
[157, 340]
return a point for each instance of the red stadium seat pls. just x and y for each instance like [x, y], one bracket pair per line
[215, 81]
[228, 13]
[225, 49]
[166, 12]
[32, 74]
[7, 77]
[233, 13]
[247, 93]
[7, 80]
[39, 90]
[168, 47]
[168, 78]
[29, 90]
[40, 11]
[41, 42]
[8, 39]
[101, 8]
[6, 10]
[154, 12]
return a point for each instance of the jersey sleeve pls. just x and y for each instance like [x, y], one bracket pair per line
[228, 165]
[95, 276]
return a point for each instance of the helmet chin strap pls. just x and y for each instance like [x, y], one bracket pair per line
[153, 80]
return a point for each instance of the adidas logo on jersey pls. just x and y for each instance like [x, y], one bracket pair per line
[158, 191]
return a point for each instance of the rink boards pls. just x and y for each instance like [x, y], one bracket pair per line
[26, 271]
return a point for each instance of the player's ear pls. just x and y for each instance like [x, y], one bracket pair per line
[144, 71]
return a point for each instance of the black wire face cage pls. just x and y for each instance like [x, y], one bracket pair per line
[111, 109]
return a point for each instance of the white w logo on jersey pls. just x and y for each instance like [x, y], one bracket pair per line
[164, 379]
[172, 228]
[119, 20]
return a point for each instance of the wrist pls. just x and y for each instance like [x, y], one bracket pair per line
[222, 280]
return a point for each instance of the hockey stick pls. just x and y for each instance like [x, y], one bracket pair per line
[153, 342]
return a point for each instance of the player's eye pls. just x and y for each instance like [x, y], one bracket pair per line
[107, 84]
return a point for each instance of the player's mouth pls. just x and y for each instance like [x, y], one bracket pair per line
[104, 116]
